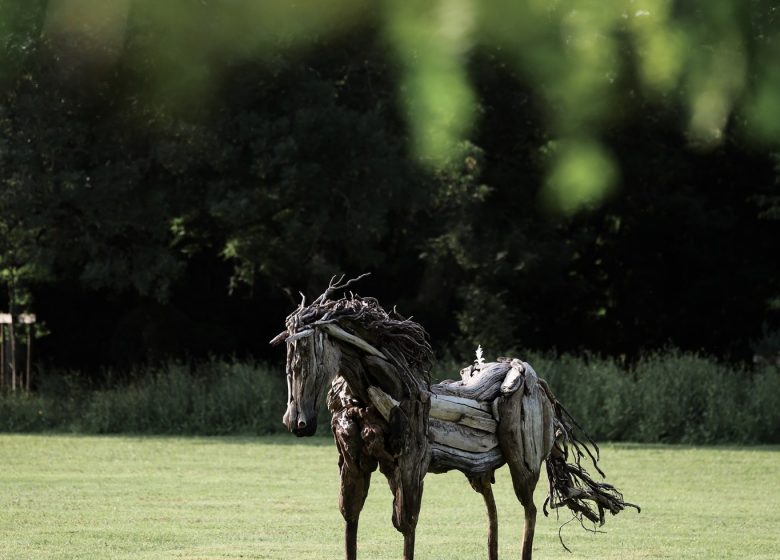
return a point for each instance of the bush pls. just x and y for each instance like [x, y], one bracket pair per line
[764, 397]
[216, 397]
[686, 398]
[213, 398]
[666, 397]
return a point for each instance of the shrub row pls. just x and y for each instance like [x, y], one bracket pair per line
[216, 397]
[665, 397]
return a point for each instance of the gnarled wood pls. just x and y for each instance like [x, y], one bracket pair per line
[384, 375]
[445, 458]
[471, 406]
[461, 437]
[479, 384]
[383, 402]
[337, 332]
[447, 408]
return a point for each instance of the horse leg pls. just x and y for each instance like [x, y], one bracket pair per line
[482, 485]
[407, 499]
[409, 434]
[526, 497]
[525, 434]
[354, 489]
[355, 468]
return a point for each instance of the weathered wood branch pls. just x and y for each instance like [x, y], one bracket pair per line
[462, 432]
[444, 458]
[383, 402]
[385, 375]
[461, 437]
[472, 406]
[512, 381]
[456, 410]
[337, 332]
[466, 412]
[482, 384]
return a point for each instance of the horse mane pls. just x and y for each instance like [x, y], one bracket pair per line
[403, 341]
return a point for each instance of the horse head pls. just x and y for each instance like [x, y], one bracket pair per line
[312, 364]
[317, 337]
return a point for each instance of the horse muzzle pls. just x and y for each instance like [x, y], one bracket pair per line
[299, 423]
[305, 429]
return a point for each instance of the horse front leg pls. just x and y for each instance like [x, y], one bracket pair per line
[405, 474]
[355, 467]
[354, 489]
[407, 499]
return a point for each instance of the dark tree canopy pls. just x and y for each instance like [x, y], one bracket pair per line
[521, 177]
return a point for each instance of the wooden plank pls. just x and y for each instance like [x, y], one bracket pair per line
[445, 409]
[461, 437]
[478, 407]
[444, 458]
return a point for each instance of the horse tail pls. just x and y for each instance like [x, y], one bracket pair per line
[570, 483]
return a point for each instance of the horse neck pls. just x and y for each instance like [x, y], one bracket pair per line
[361, 370]
[350, 368]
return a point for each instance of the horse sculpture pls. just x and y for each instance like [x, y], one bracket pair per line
[375, 367]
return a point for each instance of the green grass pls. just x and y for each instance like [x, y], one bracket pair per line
[276, 497]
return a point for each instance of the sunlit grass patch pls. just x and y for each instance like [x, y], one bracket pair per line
[276, 497]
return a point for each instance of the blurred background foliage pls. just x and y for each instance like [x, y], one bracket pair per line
[592, 175]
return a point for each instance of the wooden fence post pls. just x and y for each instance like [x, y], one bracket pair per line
[27, 319]
[6, 319]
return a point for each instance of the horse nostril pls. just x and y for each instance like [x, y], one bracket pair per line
[301, 424]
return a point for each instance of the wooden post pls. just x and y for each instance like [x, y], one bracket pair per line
[5, 319]
[27, 319]
[27, 362]
[2, 357]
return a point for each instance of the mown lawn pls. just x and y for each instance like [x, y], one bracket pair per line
[153, 498]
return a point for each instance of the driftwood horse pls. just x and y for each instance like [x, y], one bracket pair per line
[375, 367]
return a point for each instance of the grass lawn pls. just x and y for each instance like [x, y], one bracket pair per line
[153, 498]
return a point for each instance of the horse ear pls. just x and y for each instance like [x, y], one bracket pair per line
[279, 338]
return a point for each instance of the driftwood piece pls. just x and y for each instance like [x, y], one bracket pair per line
[482, 384]
[385, 375]
[472, 450]
[337, 332]
[466, 412]
[444, 458]
[512, 381]
[461, 437]
[383, 402]
[472, 406]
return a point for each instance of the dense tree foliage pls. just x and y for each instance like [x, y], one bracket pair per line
[167, 196]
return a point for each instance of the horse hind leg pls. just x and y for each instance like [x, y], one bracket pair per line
[482, 484]
[525, 434]
[526, 496]
[524, 480]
